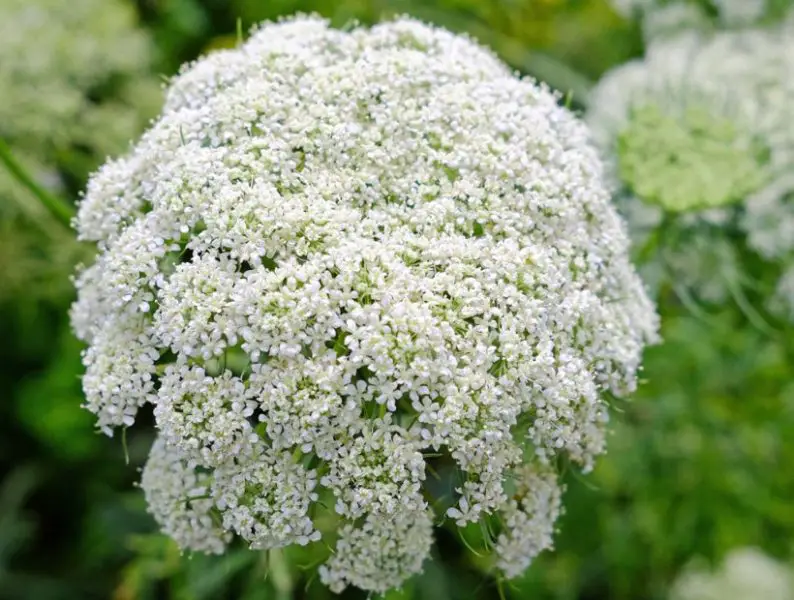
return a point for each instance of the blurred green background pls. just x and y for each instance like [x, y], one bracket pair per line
[699, 461]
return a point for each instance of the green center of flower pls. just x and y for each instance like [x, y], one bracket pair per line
[693, 161]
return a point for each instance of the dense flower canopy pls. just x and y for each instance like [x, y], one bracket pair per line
[700, 145]
[339, 257]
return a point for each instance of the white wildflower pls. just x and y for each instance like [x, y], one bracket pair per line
[75, 88]
[381, 553]
[769, 218]
[662, 18]
[671, 19]
[698, 132]
[783, 300]
[119, 376]
[379, 470]
[630, 8]
[344, 253]
[689, 129]
[265, 498]
[741, 12]
[207, 417]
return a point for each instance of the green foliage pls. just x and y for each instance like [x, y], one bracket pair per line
[693, 468]
[46, 405]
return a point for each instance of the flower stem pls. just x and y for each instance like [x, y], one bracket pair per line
[280, 575]
[60, 209]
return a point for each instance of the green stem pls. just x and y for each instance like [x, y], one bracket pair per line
[57, 206]
[280, 574]
[124, 446]
[500, 588]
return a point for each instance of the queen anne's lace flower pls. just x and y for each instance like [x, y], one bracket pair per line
[340, 255]
[529, 520]
[381, 552]
[673, 18]
[699, 132]
[179, 499]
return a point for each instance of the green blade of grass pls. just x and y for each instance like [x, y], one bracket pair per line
[59, 209]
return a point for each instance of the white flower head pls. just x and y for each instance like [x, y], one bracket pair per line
[673, 18]
[381, 553]
[741, 12]
[769, 218]
[690, 129]
[340, 253]
[698, 131]
[178, 498]
[529, 520]
[783, 299]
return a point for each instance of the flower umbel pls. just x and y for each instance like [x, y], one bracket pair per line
[701, 153]
[697, 160]
[339, 255]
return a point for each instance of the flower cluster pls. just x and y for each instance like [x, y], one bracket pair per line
[746, 574]
[340, 256]
[700, 146]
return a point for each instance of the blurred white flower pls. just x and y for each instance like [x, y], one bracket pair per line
[55, 56]
[699, 132]
[697, 122]
[783, 300]
[74, 84]
[671, 19]
[660, 18]
[740, 12]
[745, 574]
